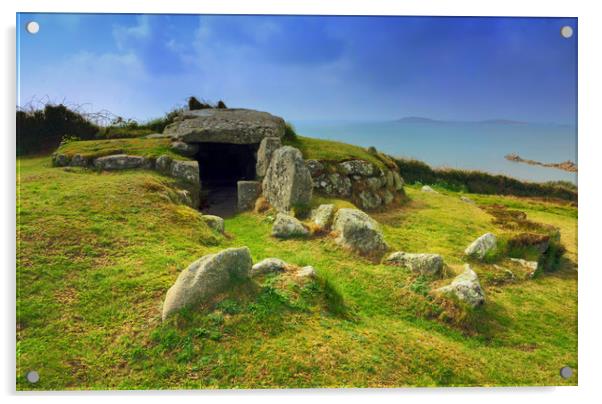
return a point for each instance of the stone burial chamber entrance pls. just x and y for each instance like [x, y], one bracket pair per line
[221, 167]
[226, 144]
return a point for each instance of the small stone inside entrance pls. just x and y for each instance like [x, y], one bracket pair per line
[221, 166]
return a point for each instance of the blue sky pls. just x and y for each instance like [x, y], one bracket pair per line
[305, 67]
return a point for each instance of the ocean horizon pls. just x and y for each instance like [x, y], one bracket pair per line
[465, 145]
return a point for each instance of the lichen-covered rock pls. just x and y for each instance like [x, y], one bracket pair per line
[388, 197]
[333, 184]
[374, 183]
[357, 167]
[481, 246]
[286, 226]
[466, 287]
[163, 164]
[206, 277]
[121, 162]
[268, 265]
[428, 189]
[79, 161]
[423, 264]
[369, 200]
[359, 232]
[214, 222]
[398, 181]
[306, 272]
[264, 154]
[237, 126]
[323, 215]
[248, 192]
[315, 167]
[185, 149]
[287, 182]
[187, 171]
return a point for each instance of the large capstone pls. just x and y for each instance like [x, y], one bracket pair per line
[206, 277]
[248, 192]
[423, 264]
[465, 287]
[287, 182]
[264, 154]
[238, 126]
[359, 232]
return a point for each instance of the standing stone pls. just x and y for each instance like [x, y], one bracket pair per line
[248, 192]
[424, 264]
[266, 148]
[163, 164]
[206, 277]
[287, 181]
[323, 215]
[187, 171]
[466, 287]
[481, 246]
[359, 232]
[369, 200]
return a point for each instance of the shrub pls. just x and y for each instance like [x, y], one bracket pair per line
[221, 105]
[42, 130]
[289, 132]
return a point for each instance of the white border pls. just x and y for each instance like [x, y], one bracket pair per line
[590, 203]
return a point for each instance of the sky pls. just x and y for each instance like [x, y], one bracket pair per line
[304, 67]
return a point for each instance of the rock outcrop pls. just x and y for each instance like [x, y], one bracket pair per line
[423, 264]
[264, 155]
[238, 126]
[465, 287]
[287, 182]
[206, 277]
[359, 232]
[286, 226]
[481, 246]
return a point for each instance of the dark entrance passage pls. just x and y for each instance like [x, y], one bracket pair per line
[221, 166]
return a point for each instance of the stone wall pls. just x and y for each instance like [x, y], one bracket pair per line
[186, 172]
[366, 185]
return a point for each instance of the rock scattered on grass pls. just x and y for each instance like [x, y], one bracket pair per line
[423, 264]
[287, 226]
[268, 265]
[323, 215]
[467, 200]
[466, 287]
[206, 277]
[214, 222]
[426, 188]
[481, 246]
[359, 232]
[306, 272]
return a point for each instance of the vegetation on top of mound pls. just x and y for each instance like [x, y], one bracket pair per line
[414, 171]
[332, 151]
[91, 149]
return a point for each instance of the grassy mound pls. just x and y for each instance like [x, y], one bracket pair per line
[137, 146]
[98, 251]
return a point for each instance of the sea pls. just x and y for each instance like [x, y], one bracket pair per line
[465, 145]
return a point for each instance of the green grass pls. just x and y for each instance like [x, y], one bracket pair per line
[152, 148]
[331, 151]
[98, 251]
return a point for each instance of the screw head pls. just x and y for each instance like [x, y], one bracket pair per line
[566, 372]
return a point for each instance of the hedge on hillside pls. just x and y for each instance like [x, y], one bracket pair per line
[479, 182]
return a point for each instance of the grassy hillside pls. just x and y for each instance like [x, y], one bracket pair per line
[91, 149]
[98, 251]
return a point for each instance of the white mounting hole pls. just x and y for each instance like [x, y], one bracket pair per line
[566, 31]
[32, 376]
[32, 27]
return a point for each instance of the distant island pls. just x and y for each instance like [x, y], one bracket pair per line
[420, 119]
[565, 165]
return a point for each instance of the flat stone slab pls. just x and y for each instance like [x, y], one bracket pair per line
[237, 126]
